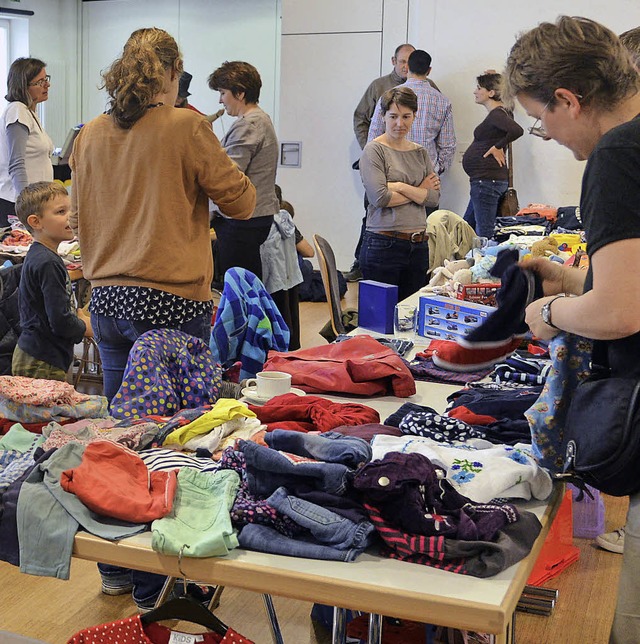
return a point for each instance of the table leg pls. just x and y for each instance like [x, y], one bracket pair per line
[276, 633]
[375, 629]
[339, 633]
[509, 635]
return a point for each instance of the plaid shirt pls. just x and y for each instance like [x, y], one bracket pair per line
[432, 127]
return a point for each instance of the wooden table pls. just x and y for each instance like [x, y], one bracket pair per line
[371, 583]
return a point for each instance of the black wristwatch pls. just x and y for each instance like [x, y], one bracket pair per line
[545, 312]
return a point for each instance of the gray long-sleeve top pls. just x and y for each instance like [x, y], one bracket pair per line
[252, 144]
[381, 164]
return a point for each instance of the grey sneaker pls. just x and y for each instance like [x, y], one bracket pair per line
[354, 275]
[612, 541]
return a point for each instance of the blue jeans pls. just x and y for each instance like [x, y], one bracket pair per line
[394, 261]
[330, 536]
[116, 337]
[330, 447]
[483, 205]
[268, 469]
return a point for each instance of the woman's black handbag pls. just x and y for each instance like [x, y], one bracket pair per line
[508, 204]
[602, 435]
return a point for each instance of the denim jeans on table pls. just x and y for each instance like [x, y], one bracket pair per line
[331, 447]
[330, 536]
[116, 337]
[268, 469]
[395, 261]
[483, 205]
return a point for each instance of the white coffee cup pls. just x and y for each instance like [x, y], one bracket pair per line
[271, 383]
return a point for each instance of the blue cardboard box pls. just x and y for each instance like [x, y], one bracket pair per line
[376, 302]
[445, 318]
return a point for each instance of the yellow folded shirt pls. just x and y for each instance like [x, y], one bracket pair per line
[225, 409]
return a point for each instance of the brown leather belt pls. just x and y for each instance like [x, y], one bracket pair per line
[415, 238]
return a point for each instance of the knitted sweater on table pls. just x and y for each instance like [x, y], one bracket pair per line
[139, 200]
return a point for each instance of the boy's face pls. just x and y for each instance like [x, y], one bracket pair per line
[51, 226]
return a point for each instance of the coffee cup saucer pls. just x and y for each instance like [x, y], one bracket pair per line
[251, 394]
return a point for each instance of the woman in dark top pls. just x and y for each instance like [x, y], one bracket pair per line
[484, 160]
[576, 80]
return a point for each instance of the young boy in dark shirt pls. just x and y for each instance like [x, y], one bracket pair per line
[50, 326]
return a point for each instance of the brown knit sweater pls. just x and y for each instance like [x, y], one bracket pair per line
[139, 200]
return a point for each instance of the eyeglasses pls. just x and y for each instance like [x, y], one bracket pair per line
[537, 129]
[42, 82]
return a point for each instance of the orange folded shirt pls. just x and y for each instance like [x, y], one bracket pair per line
[113, 481]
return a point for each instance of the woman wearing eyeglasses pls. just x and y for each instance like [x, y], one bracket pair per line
[25, 148]
[577, 80]
[484, 160]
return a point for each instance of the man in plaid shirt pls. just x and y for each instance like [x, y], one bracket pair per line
[433, 125]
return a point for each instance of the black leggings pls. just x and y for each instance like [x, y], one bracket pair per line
[239, 243]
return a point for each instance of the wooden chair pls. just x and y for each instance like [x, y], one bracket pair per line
[329, 273]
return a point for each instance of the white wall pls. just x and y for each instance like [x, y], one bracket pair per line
[208, 32]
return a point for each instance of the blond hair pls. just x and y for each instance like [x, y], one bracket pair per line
[31, 199]
[574, 53]
[138, 75]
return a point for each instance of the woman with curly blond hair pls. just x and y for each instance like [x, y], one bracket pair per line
[142, 177]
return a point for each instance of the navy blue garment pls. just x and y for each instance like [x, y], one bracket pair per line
[498, 404]
[50, 326]
[568, 218]
[331, 447]
[519, 287]
[403, 410]
[9, 315]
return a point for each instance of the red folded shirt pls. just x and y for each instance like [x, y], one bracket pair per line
[324, 414]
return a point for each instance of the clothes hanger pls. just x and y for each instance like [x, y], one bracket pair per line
[185, 609]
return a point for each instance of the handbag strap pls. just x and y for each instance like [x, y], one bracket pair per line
[510, 164]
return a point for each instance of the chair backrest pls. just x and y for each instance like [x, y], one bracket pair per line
[329, 272]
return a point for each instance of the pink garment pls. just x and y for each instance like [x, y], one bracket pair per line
[359, 365]
[131, 631]
[35, 391]
[114, 482]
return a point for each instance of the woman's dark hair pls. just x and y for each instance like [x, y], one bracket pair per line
[491, 81]
[138, 75]
[400, 96]
[21, 73]
[237, 76]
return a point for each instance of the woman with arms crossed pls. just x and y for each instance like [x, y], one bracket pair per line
[576, 79]
[399, 180]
